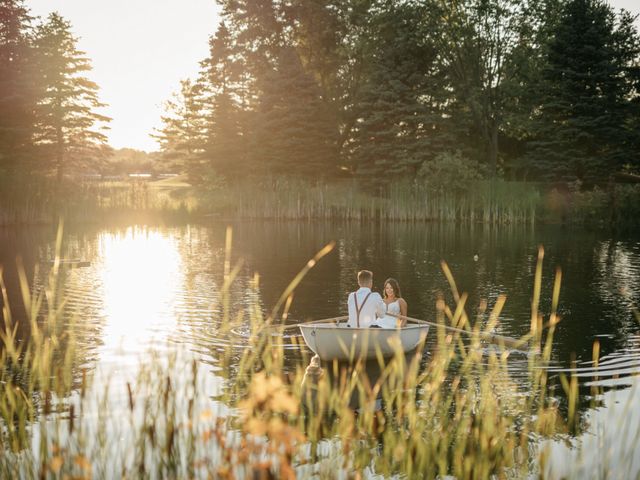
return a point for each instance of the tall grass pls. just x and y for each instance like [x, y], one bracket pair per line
[39, 199]
[452, 411]
[24, 200]
[494, 202]
[32, 200]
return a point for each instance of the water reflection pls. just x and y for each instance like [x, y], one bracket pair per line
[616, 369]
[148, 283]
[361, 383]
[139, 274]
[153, 287]
[313, 374]
[610, 446]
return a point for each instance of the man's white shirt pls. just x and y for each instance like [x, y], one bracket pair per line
[372, 308]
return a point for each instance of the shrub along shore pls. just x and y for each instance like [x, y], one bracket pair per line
[42, 201]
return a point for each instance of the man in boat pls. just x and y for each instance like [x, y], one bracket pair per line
[364, 305]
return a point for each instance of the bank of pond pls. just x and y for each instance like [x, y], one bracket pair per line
[499, 202]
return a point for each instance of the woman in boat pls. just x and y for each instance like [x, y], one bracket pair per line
[394, 305]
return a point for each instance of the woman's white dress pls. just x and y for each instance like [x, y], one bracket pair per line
[388, 321]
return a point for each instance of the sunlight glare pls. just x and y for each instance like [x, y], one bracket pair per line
[141, 270]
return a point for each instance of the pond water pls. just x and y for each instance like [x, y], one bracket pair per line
[158, 287]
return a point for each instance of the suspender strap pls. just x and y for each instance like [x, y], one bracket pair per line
[359, 309]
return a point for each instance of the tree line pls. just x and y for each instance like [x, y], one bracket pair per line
[50, 120]
[544, 90]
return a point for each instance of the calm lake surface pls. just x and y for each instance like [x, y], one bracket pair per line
[158, 287]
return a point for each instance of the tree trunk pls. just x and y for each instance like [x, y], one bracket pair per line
[59, 154]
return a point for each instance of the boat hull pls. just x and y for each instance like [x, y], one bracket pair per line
[332, 342]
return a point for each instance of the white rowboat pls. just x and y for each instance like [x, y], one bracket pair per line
[333, 341]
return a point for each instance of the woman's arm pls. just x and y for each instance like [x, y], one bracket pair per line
[403, 311]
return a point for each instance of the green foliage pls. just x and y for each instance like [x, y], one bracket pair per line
[182, 134]
[403, 82]
[617, 207]
[221, 93]
[585, 126]
[450, 172]
[17, 87]
[494, 202]
[626, 209]
[370, 91]
[397, 127]
[480, 48]
[68, 127]
[124, 161]
[294, 130]
[589, 208]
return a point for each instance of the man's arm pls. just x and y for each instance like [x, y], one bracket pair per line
[381, 309]
[351, 307]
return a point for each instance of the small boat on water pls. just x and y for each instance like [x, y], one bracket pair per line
[335, 341]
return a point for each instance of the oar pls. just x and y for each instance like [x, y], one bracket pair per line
[72, 263]
[311, 322]
[490, 337]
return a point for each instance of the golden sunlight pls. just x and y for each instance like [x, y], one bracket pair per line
[139, 276]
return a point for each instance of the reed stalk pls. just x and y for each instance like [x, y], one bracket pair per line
[451, 408]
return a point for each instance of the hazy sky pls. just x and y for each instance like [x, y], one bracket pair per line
[141, 49]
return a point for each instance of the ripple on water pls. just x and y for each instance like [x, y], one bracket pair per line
[615, 369]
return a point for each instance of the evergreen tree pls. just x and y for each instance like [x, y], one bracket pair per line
[288, 50]
[295, 132]
[259, 32]
[627, 50]
[326, 36]
[396, 83]
[586, 124]
[222, 90]
[68, 128]
[526, 64]
[318, 29]
[400, 123]
[17, 88]
[182, 134]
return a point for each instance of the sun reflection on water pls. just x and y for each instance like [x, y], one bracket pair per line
[139, 274]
